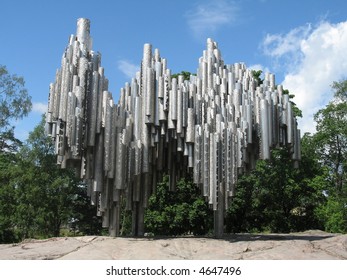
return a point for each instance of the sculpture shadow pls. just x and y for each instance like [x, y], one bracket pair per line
[242, 237]
[275, 237]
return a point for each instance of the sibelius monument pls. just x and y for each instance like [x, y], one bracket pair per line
[214, 126]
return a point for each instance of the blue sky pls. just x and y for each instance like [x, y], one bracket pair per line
[304, 43]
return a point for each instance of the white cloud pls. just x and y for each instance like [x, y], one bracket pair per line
[277, 45]
[39, 107]
[128, 68]
[318, 57]
[284, 49]
[209, 16]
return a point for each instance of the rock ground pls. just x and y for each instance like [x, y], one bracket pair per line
[309, 245]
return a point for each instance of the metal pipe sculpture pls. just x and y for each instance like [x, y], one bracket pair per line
[213, 126]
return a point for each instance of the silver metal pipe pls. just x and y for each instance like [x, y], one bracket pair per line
[209, 126]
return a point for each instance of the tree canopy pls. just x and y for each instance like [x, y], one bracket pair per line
[37, 198]
[15, 103]
[330, 142]
[180, 212]
[186, 75]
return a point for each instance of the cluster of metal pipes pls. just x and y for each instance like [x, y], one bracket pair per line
[214, 127]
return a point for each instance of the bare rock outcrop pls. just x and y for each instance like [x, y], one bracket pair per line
[309, 245]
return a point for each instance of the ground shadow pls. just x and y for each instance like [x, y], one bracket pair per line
[238, 237]
[275, 237]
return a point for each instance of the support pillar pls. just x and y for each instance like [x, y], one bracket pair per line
[115, 220]
[219, 213]
[138, 213]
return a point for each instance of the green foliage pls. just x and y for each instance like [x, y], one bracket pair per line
[256, 74]
[15, 103]
[83, 215]
[7, 199]
[186, 75]
[181, 212]
[42, 192]
[274, 197]
[333, 214]
[340, 90]
[331, 140]
[330, 143]
[126, 222]
[37, 197]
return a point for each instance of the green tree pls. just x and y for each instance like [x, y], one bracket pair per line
[276, 196]
[37, 198]
[340, 90]
[62, 197]
[83, 215]
[44, 192]
[15, 103]
[256, 74]
[181, 212]
[7, 198]
[330, 142]
[186, 75]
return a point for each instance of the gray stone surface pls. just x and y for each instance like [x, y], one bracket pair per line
[309, 245]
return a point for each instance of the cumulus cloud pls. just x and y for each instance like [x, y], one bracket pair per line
[209, 16]
[317, 57]
[127, 68]
[277, 45]
[39, 107]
